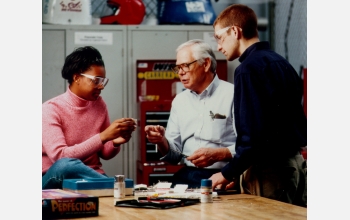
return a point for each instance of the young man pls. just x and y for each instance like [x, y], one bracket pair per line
[269, 118]
[201, 118]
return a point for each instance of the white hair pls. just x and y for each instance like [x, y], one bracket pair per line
[200, 51]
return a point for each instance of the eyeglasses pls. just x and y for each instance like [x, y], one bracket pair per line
[184, 66]
[220, 32]
[98, 81]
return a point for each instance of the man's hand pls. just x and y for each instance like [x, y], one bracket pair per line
[219, 180]
[204, 157]
[155, 134]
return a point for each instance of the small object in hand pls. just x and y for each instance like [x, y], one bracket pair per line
[226, 192]
[177, 151]
[136, 121]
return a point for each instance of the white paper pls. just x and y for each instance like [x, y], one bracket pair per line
[161, 185]
[195, 6]
[180, 188]
[98, 38]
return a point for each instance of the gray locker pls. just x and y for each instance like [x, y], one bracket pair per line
[53, 56]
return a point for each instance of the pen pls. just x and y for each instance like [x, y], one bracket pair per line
[177, 151]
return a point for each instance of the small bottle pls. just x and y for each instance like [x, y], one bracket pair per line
[206, 191]
[119, 186]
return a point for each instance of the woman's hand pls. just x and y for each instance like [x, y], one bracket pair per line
[120, 130]
[121, 140]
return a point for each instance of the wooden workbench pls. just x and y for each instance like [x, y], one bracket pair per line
[238, 206]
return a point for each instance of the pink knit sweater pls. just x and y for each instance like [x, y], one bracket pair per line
[71, 128]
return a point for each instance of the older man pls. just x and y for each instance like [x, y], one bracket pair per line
[201, 123]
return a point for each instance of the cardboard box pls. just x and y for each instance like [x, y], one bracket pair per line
[57, 203]
[90, 186]
[67, 12]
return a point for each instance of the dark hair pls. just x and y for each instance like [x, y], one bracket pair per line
[241, 16]
[80, 60]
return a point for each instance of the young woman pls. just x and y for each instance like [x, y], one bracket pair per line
[76, 131]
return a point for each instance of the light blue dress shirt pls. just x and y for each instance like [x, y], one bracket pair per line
[191, 127]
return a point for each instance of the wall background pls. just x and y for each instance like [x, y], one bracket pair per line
[290, 31]
[287, 28]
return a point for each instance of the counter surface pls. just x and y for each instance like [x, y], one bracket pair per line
[238, 206]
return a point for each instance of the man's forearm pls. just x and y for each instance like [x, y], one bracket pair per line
[223, 154]
[163, 147]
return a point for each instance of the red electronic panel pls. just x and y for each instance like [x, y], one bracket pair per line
[149, 168]
[152, 113]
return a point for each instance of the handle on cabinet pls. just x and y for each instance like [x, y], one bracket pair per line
[162, 169]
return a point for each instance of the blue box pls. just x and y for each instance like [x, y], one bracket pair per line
[185, 12]
[129, 187]
[90, 186]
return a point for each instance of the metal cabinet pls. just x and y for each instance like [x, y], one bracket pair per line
[53, 41]
[150, 170]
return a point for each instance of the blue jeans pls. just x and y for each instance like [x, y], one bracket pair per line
[67, 168]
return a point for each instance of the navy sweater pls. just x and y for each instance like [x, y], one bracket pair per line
[269, 117]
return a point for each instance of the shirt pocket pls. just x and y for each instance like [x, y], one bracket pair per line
[214, 130]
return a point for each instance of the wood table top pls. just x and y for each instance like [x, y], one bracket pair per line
[237, 206]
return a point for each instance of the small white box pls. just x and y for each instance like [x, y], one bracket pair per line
[67, 12]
